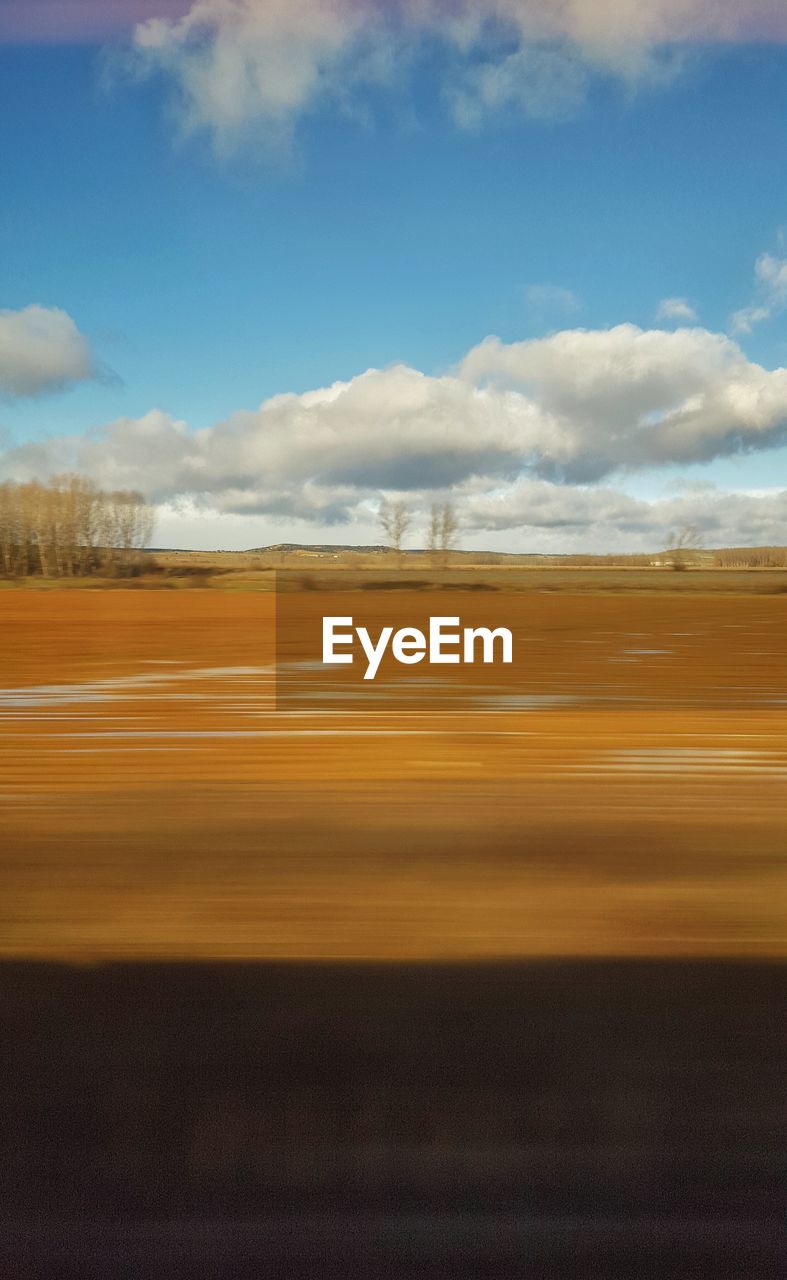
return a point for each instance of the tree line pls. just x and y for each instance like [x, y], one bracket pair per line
[69, 527]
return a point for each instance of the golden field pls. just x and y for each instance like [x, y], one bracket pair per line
[631, 802]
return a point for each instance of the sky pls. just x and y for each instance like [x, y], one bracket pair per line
[272, 262]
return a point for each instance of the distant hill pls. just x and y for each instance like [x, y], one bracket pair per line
[316, 548]
[334, 550]
[772, 557]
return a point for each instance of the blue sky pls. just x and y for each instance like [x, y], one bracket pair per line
[208, 272]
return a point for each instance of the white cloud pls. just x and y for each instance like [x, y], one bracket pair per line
[675, 311]
[522, 433]
[743, 321]
[628, 397]
[770, 288]
[241, 64]
[554, 299]
[530, 515]
[573, 518]
[191, 524]
[41, 349]
[610, 27]
[543, 83]
[316, 453]
[238, 65]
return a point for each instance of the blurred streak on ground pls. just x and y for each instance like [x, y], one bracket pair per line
[154, 804]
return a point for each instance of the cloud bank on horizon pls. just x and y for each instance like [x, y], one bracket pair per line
[526, 434]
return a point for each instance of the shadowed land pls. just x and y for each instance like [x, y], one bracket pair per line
[572, 1118]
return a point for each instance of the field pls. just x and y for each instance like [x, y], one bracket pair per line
[399, 990]
[233, 572]
[628, 801]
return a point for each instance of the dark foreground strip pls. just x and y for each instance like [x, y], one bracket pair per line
[550, 1119]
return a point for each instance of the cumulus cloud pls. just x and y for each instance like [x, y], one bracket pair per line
[525, 434]
[675, 311]
[770, 294]
[628, 397]
[393, 429]
[241, 64]
[41, 350]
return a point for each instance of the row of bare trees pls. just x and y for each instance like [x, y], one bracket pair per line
[69, 527]
[751, 558]
[396, 519]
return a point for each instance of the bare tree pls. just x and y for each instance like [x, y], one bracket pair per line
[433, 541]
[128, 528]
[443, 529]
[684, 544]
[395, 518]
[69, 527]
[450, 527]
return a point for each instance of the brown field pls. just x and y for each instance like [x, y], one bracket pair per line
[255, 571]
[155, 804]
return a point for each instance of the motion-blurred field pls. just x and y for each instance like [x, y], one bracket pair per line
[154, 802]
